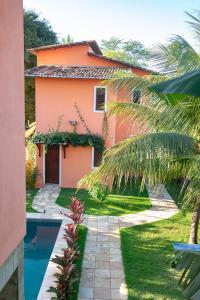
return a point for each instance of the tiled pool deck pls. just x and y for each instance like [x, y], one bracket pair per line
[102, 273]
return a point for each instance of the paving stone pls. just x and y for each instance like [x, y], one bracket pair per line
[115, 251]
[118, 294]
[102, 258]
[103, 265]
[102, 273]
[89, 261]
[117, 273]
[102, 238]
[92, 238]
[115, 245]
[87, 278]
[104, 293]
[115, 258]
[117, 282]
[102, 245]
[85, 292]
[102, 252]
[102, 282]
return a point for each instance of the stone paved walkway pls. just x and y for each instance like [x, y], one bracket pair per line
[44, 200]
[102, 273]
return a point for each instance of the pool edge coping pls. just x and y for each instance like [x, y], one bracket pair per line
[60, 243]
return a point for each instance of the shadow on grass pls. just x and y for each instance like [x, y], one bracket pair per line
[147, 252]
[115, 204]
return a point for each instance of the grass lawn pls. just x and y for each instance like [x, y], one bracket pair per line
[81, 242]
[147, 252]
[116, 204]
[30, 193]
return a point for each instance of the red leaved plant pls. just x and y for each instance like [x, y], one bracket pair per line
[67, 272]
[76, 211]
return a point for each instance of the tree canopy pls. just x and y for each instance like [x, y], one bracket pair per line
[37, 33]
[129, 51]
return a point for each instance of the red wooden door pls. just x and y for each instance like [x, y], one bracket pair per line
[52, 164]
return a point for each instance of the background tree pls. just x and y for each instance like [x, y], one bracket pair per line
[129, 51]
[68, 39]
[37, 33]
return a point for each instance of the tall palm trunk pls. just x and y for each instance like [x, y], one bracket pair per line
[193, 239]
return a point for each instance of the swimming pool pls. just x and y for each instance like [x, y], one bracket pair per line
[38, 246]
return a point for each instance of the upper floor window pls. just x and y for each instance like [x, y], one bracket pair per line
[96, 157]
[136, 96]
[100, 98]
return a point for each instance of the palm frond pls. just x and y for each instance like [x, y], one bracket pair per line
[192, 190]
[195, 23]
[145, 116]
[184, 117]
[156, 115]
[188, 263]
[151, 156]
[178, 56]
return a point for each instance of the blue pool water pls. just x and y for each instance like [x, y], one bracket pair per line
[38, 246]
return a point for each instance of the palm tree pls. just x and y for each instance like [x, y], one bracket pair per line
[170, 149]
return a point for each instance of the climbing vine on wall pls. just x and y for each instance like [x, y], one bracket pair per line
[82, 119]
[70, 138]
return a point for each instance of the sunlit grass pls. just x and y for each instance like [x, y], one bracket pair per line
[147, 252]
[30, 194]
[129, 201]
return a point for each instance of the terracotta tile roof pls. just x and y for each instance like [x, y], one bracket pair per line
[83, 72]
[93, 44]
[121, 62]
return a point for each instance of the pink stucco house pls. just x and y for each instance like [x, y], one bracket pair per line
[71, 96]
[12, 158]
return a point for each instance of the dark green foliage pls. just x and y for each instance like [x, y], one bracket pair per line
[37, 33]
[129, 51]
[188, 263]
[98, 191]
[70, 138]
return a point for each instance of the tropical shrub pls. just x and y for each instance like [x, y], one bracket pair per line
[67, 273]
[30, 164]
[98, 191]
[30, 173]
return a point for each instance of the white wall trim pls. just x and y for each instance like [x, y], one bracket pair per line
[43, 164]
[60, 165]
[106, 99]
[92, 160]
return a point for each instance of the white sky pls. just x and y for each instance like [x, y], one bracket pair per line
[150, 21]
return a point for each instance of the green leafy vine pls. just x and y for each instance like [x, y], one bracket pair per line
[70, 138]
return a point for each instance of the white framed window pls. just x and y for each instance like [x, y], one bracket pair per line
[96, 157]
[136, 96]
[100, 98]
